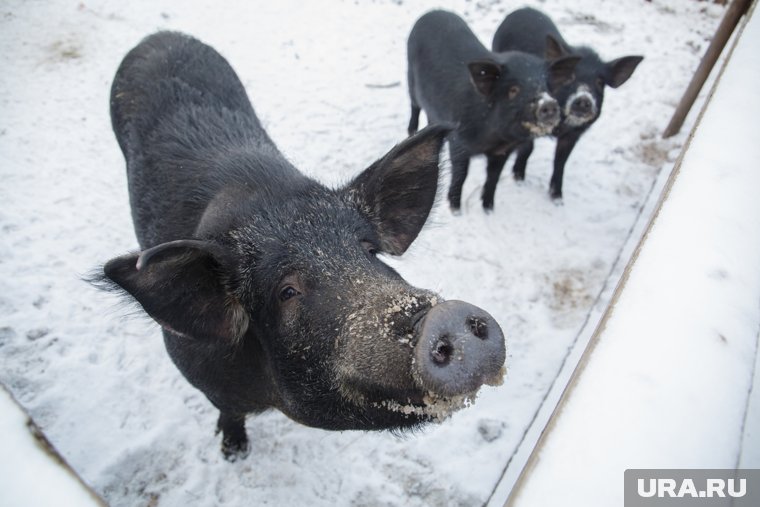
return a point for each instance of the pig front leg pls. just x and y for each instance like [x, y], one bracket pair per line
[493, 169]
[521, 161]
[460, 164]
[565, 145]
[235, 443]
[414, 120]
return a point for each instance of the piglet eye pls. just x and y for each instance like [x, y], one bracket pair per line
[288, 292]
[599, 83]
[513, 91]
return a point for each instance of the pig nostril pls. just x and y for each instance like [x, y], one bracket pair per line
[441, 352]
[478, 327]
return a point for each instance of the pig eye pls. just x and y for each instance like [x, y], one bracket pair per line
[599, 83]
[288, 292]
[290, 287]
[513, 91]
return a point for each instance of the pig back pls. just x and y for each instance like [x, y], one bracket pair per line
[167, 74]
[526, 30]
[439, 48]
[187, 131]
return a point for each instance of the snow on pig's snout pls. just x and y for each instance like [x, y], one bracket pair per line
[420, 358]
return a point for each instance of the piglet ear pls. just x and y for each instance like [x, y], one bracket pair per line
[554, 49]
[618, 71]
[562, 71]
[397, 192]
[179, 284]
[484, 74]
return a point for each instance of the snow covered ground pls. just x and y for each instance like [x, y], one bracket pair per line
[28, 463]
[328, 81]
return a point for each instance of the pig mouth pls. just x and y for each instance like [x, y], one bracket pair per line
[415, 406]
[433, 407]
[430, 407]
[575, 120]
[411, 406]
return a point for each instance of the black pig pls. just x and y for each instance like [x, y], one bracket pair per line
[267, 284]
[580, 99]
[496, 100]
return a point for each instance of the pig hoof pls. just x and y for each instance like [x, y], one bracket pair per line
[455, 210]
[235, 449]
[519, 176]
[488, 208]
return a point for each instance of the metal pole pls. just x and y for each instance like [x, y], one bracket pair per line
[734, 13]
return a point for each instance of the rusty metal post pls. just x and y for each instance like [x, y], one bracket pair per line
[727, 25]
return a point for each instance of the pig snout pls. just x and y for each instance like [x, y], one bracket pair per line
[581, 106]
[459, 348]
[547, 112]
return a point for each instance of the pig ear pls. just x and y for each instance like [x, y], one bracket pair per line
[618, 71]
[484, 74]
[562, 71]
[554, 49]
[179, 284]
[397, 192]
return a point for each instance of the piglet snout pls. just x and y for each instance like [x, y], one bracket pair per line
[459, 348]
[547, 112]
[582, 106]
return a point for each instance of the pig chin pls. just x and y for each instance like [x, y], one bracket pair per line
[396, 410]
[399, 410]
[432, 408]
[575, 120]
[538, 129]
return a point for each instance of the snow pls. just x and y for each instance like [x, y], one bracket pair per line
[667, 380]
[327, 80]
[36, 477]
[750, 448]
